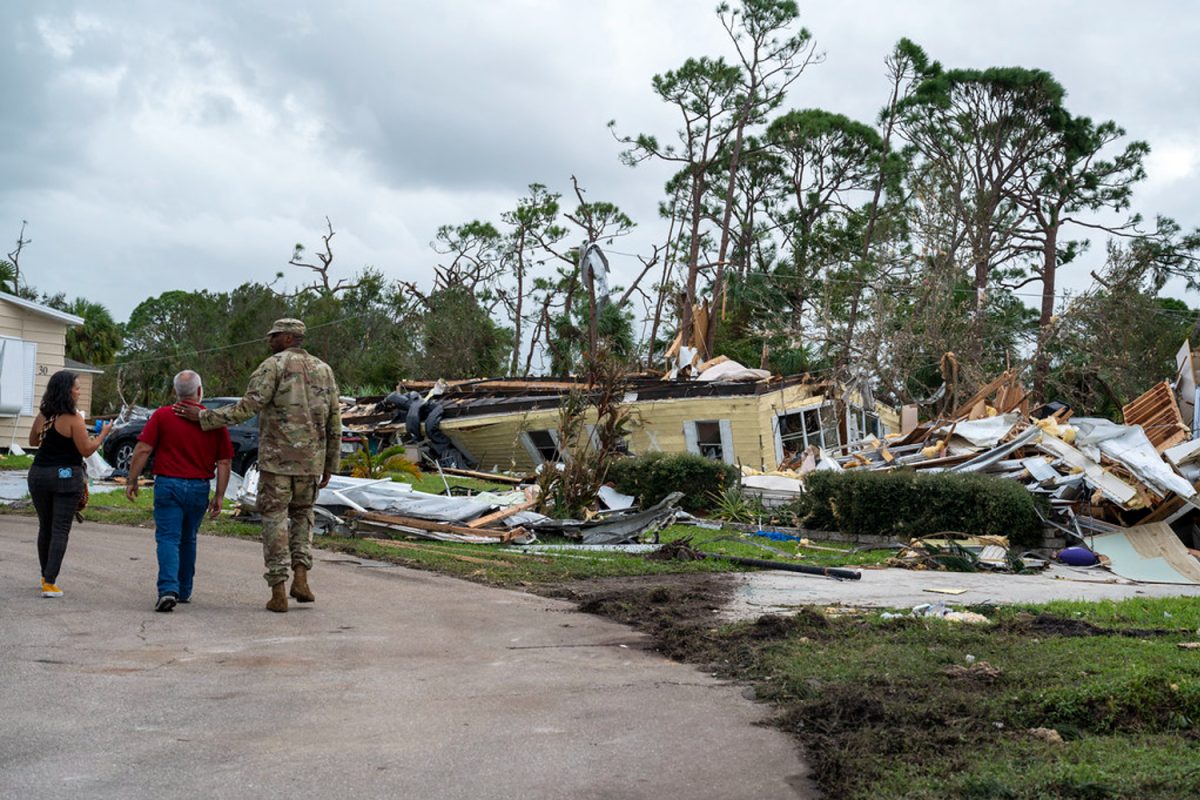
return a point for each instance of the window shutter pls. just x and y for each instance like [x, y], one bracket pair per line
[692, 437]
[558, 447]
[777, 438]
[727, 441]
[12, 376]
[534, 455]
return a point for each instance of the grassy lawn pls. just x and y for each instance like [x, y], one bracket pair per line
[1070, 700]
[114, 508]
[510, 566]
[11, 461]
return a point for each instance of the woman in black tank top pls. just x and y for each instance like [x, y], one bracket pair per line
[56, 479]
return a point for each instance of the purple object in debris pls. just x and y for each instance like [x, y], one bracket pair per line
[1077, 557]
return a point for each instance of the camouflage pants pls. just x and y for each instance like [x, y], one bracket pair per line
[286, 505]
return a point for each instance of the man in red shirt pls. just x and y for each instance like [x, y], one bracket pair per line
[184, 458]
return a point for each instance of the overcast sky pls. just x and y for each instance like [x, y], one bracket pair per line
[167, 144]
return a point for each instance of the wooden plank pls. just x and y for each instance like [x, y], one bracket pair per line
[483, 476]
[503, 513]
[437, 527]
[986, 391]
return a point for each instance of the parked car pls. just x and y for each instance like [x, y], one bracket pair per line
[118, 448]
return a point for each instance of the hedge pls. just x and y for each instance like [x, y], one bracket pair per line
[906, 504]
[653, 476]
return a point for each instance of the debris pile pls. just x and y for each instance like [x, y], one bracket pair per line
[384, 506]
[1116, 487]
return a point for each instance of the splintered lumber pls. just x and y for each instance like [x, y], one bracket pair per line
[1006, 377]
[437, 527]
[1158, 414]
[712, 362]
[503, 513]
[483, 476]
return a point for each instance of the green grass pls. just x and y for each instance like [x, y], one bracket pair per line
[431, 483]
[507, 566]
[11, 461]
[114, 508]
[881, 717]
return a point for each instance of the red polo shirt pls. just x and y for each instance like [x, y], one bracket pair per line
[181, 448]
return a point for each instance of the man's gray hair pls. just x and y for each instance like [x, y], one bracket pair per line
[187, 384]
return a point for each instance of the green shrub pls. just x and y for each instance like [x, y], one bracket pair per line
[653, 476]
[906, 503]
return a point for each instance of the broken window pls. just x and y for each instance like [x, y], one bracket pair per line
[622, 445]
[542, 445]
[710, 438]
[861, 424]
[816, 425]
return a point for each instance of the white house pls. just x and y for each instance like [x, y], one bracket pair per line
[33, 340]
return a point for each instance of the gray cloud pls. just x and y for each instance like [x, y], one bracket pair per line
[161, 145]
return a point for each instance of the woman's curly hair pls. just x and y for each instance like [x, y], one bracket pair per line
[57, 399]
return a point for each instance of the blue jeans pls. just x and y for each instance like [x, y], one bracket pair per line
[179, 508]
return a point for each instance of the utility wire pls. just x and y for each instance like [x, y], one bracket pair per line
[259, 340]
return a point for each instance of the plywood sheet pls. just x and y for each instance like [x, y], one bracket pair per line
[1149, 554]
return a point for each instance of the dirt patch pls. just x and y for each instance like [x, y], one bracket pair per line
[853, 735]
[1054, 625]
[679, 611]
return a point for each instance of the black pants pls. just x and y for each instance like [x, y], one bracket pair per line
[55, 499]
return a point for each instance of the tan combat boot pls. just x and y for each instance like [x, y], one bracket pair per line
[300, 589]
[278, 601]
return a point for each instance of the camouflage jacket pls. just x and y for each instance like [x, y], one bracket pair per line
[300, 424]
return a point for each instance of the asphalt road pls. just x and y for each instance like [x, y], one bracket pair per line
[394, 684]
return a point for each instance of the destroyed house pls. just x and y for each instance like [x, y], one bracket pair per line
[511, 424]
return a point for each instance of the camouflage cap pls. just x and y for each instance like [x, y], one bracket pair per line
[287, 326]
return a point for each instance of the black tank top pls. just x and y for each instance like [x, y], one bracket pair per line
[57, 450]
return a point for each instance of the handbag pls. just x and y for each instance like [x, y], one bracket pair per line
[83, 498]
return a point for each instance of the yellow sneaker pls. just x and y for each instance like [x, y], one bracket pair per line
[50, 590]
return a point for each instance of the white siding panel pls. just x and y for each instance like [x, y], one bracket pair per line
[692, 437]
[727, 441]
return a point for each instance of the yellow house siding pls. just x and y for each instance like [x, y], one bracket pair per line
[495, 441]
[658, 425]
[86, 379]
[50, 335]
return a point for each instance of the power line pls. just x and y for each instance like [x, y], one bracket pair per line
[259, 340]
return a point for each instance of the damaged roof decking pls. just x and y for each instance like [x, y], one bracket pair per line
[492, 396]
[504, 395]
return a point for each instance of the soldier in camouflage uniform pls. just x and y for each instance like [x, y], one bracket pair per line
[296, 399]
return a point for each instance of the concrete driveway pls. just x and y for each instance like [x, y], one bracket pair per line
[396, 683]
[778, 592]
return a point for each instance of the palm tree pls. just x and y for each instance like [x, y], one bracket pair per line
[8, 277]
[98, 339]
[386, 463]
